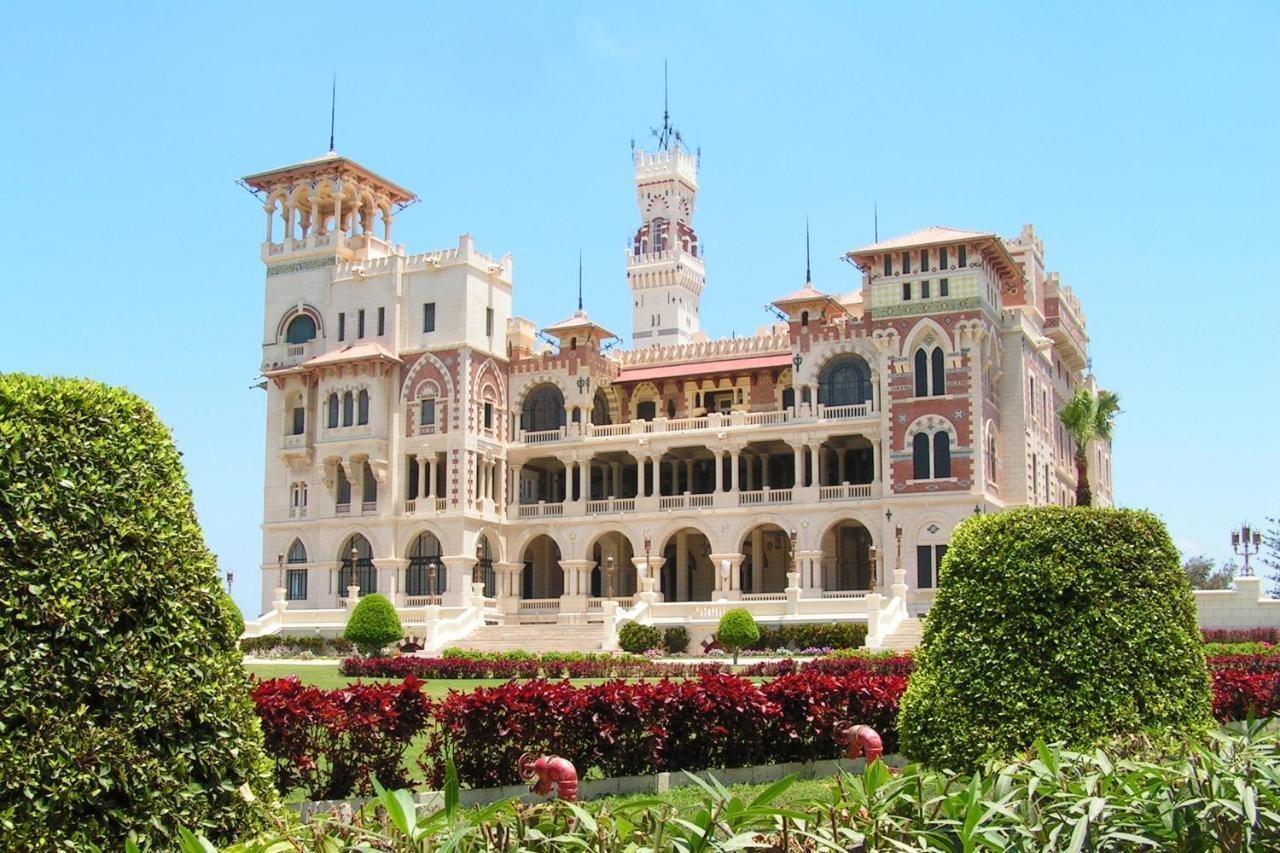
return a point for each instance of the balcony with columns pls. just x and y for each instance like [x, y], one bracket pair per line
[748, 473]
[786, 419]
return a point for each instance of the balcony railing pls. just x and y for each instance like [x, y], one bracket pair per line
[539, 605]
[297, 512]
[611, 505]
[712, 420]
[847, 491]
[845, 593]
[368, 507]
[293, 442]
[343, 509]
[540, 510]
[421, 600]
[764, 496]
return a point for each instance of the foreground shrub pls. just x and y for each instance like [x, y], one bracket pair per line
[330, 743]
[636, 638]
[1060, 624]
[124, 706]
[1141, 793]
[373, 624]
[675, 640]
[737, 631]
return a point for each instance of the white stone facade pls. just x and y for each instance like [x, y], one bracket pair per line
[814, 471]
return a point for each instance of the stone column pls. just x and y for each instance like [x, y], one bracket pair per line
[688, 475]
[840, 472]
[727, 586]
[798, 453]
[508, 583]
[682, 567]
[811, 571]
[734, 455]
[615, 480]
[764, 470]
[457, 590]
[573, 603]
[757, 560]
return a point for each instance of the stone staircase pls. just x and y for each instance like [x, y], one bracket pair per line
[906, 637]
[533, 638]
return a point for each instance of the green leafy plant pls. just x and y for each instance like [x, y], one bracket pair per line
[1060, 624]
[125, 708]
[636, 638]
[675, 639]
[737, 631]
[373, 624]
[1087, 417]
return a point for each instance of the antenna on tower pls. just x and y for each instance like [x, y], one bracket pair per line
[808, 275]
[875, 206]
[667, 135]
[579, 279]
[333, 110]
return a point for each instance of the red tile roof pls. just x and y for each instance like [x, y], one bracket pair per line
[703, 368]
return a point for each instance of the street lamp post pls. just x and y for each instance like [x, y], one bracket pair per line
[279, 571]
[608, 578]
[1241, 542]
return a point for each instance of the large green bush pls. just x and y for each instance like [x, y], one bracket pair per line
[675, 640]
[737, 631]
[1064, 624]
[373, 624]
[124, 703]
[636, 638]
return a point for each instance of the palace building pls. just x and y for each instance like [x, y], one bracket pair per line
[496, 480]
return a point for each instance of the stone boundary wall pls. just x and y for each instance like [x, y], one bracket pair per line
[1242, 606]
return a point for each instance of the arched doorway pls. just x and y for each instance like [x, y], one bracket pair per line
[614, 549]
[846, 557]
[767, 558]
[687, 572]
[425, 575]
[357, 568]
[541, 576]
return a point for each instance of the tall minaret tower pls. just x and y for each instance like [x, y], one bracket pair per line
[664, 263]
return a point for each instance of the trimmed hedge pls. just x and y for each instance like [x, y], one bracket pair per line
[675, 640]
[1063, 624]
[125, 704]
[292, 646]
[373, 624]
[815, 635]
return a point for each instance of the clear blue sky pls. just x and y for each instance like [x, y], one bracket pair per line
[1140, 140]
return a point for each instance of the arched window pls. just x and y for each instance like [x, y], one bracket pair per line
[543, 409]
[845, 381]
[920, 457]
[671, 408]
[922, 373]
[348, 409]
[788, 398]
[344, 490]
[362, 407]
[425, 574]
[357, 566]
[804, 318]
[941, 455]
[296, 579]
[991, 456]
[646, 411]
[939, 373]
[600, 410]
[298, 500]
[333, 411]
[301, 329]
[297, 552]
[483, 572]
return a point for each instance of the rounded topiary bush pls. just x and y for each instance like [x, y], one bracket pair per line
[737, 631]
[373, 624]
[125, 704]
[637, 639]
[1058, 624]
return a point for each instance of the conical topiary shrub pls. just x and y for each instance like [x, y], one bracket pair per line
[125, 705]
[373, 624]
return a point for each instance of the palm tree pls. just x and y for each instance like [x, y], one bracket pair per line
[1085, 418]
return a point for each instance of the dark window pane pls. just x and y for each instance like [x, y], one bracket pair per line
[941, 455]
[297, 588]
[382, 321]
[920, 457]
[924, 566]
[362, 416]
[301, 329]
[922, 373]
[342, 327]
[939, 373]
[429, 317]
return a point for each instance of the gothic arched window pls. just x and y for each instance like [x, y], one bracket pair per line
[939, 372]
[922, 373]
[333, 411]
[297, 552]
[941, 455]
[362, 407]
[357, 567]
[920, 457]
[348, 409]
[425, 574]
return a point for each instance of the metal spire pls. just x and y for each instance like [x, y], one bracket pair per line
[876, 208]
[808, 275]
[333, 110]
[579, 279]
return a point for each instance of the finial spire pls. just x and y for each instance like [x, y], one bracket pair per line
[876, 209]
[579, 279]
[333, 110]
[808, 274]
